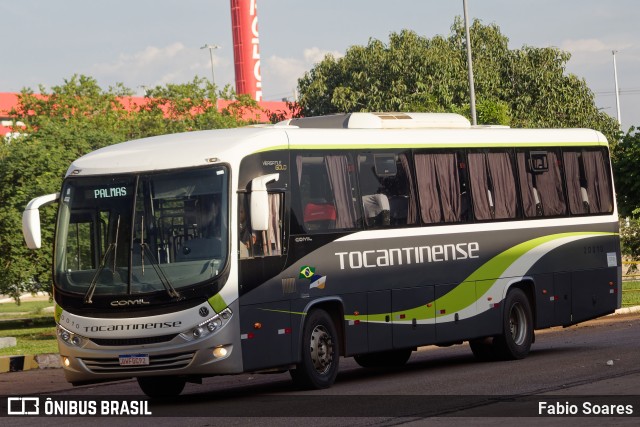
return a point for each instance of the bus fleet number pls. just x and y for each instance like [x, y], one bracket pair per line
[589, 250]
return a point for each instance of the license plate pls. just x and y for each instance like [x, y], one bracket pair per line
[134, 359]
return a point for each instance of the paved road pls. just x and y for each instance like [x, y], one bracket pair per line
[597, 358]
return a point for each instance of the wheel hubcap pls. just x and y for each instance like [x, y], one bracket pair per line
[321, 349]
[518, 324]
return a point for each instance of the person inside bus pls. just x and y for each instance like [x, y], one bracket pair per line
[211, 218]
[207, 244]
[247, 237]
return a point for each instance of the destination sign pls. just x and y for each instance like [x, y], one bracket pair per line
[108, 192]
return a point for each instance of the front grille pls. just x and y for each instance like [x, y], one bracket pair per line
[133, 341]
[160, 362]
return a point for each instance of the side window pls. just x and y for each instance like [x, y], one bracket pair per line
[260, 243]
[588, 184]
[326, 185]
[387, 193]
[493, 185]
[541, 183]
[441, 187]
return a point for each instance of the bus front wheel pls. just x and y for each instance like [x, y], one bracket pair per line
[320, 353]
[515, 342]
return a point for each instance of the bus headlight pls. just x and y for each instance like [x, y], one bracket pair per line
[69, 337]
[209, 326]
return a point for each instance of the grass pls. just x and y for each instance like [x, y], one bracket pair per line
[31, 338]
[630, 293]
[31, 341]
[26, 309]
[40, 340]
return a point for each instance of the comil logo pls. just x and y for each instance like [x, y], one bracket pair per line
[23, 406]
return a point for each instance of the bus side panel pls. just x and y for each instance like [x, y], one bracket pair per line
[450, 327]
[594, 293]
[413, 328]
[266, 335]
[355, 326]
[489, 319]
[379, 327]
[561, 299]
[545, 301]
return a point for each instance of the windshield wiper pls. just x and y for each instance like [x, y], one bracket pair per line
[88, 297]
[144, 248]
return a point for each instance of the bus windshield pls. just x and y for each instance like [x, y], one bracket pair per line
[134, 234]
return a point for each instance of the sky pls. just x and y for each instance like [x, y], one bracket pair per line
[144, 43]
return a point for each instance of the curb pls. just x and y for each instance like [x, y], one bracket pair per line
[29, 362]
[626, 310]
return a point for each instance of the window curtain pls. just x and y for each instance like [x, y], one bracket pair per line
[492, 176]
[526, 187]
[572, 174]
[504, 185]
[548, 185]
[479, 186]
[438, 187]
[340, 179]
[412, 211]
[550, 188]
[597, 182]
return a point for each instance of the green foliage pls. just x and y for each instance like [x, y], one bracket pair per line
[525, 87]
[626, 171]
[68, 122]
[630, 239]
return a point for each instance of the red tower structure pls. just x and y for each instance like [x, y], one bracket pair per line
[246, 48]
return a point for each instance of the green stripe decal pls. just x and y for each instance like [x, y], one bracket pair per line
[218, 303]
[478, 283]
[57, 313]
[461, 297]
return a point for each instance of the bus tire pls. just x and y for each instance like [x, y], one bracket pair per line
[161, 387]
[384, 359]
[515, 341]
[318, 367]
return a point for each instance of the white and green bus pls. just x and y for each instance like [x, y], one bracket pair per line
[361, 235]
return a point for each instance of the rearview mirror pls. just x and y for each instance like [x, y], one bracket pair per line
[260, 201]
[31, 219]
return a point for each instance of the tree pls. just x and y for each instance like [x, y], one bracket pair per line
[525, 87]
[67, 122]
[626, 161]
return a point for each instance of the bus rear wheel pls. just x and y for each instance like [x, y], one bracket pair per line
[384, 359]
[515, 342]
[320, 353]
[161, 387]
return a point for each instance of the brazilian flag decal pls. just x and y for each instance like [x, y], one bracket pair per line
[309, 273]
[306, 272]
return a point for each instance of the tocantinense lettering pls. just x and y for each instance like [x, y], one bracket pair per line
[132, 326]
[413, 255]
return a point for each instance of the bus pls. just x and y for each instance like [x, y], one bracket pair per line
[285, 247]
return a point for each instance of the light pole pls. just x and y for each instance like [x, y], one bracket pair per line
[472, 91]
[615, 77]
[211, 47]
